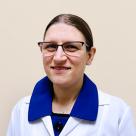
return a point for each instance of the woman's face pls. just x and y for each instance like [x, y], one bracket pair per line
[64, 70]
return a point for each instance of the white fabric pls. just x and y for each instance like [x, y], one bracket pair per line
[114, 119]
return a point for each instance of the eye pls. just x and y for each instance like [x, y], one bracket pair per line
[50, 47]
[71, 47]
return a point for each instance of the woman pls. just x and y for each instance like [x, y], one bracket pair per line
[66, 102]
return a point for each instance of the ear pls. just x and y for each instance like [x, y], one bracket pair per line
[41, 49]
[91, 54]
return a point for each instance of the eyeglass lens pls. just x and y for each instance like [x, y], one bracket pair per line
[69, 48]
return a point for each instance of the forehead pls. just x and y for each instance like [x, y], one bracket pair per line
[61, 32]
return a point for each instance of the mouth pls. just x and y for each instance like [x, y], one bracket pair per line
[60, 68]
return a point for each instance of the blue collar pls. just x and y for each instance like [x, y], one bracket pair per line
[85, 107]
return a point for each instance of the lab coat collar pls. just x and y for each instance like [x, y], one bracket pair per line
[85, 107]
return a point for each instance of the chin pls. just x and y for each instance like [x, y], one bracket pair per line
[60, 81]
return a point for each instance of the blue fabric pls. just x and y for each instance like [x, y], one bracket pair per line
[58, 121]
[85, 107]
[41, 100]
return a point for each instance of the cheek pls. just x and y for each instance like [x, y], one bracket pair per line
[78, 71]
[46, 63]
[79, 64]
[80, 60]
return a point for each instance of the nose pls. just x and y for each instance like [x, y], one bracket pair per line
[59, 56]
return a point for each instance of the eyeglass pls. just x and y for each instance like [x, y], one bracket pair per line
[71, 48]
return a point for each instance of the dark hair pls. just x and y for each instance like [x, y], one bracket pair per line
[75, 21]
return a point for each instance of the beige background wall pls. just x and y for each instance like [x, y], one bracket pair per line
[22, 23]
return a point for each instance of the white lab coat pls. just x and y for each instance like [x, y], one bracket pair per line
[114, 119]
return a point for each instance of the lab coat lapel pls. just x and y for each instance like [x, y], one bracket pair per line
[71, 124]
[48, 125]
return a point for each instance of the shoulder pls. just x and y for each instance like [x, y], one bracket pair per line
[116, 112]
[113, 103]
[22, 105]
[105, 98]
[23, 101]
[19, 113]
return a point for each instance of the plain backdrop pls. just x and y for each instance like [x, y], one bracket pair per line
[22, 24]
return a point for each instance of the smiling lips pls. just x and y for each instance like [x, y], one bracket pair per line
[60, 68]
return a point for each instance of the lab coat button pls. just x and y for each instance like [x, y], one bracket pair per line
[58, 126]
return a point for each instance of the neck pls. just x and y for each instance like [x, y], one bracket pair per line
[66, 94]
[65, 97]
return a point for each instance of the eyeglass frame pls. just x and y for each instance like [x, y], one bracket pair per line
[62, 45]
